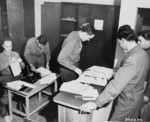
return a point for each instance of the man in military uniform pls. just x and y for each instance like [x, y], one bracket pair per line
[128, 82]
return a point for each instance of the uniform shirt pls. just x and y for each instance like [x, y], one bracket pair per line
[31, 50]
[4, 62]
[70, 52]
[128, 81]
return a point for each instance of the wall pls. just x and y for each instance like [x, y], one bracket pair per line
[126, 16]
[16, 23]
[38, 4]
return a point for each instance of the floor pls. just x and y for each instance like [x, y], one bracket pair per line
[47, 114]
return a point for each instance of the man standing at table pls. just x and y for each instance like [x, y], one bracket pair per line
[69, 55]
[37, 52]
[128, 82]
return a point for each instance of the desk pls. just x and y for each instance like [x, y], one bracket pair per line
[68, 105]
[39, 88]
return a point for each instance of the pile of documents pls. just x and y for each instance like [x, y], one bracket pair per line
[18, 84]
[43, 71]
[82, 86]
[48, 78]
[96, 75]
[47, 75]
[86, 91]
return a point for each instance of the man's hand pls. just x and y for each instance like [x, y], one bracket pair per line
[32, 68]
[78, 71]
[19, 60]
[47, 66]
[13, 60]
[87, 107]
[146, 99]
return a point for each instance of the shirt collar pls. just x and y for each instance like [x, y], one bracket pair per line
[134, 49]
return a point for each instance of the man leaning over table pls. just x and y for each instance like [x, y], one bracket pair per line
[37, 53]
[6, 58]
[128, 82]
[69, 55]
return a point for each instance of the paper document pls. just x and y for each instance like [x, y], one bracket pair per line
[15, 68]
[96, 75]
[90, 94]
[48, 78]
[86, 91]
[43, 71]
[98, 71]
[92, 80]
[18, 84]
[73, 87]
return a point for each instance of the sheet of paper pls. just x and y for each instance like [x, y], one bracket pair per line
[90, 94]
[86, 91]
[48, 78]
[18, 84]
[92, 80]
[43, 71]
[15, 68]
[98, 24]
[73, 87]
[96, 75]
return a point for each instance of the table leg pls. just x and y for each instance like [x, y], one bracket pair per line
[10, 102]
[39, 96]
[56, 86]
[27, 107]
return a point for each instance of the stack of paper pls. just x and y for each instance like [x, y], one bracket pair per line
[92, 80]
[43, 71]
[90, 94]
[102, 72]
[96, 75]
[18, 84]
[48, 78]
[73, 87]
[86, 91]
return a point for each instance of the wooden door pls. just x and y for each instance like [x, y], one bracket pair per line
[101, 49]
[29, 19]
[50, 26]
[16, 23]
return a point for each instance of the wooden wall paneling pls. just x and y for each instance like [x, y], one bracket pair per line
[50, 23]
[4, 18]
[93, 51]
[16, 23]
[68, 10]
[111, 34]
[29, 19]
[1, 33]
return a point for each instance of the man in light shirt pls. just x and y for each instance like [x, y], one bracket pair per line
[6, 58]
[69, 55]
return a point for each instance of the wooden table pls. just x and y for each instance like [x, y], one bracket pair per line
[40, 88]
[68, 109]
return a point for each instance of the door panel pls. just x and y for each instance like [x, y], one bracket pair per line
[99, 50]
[50, 23]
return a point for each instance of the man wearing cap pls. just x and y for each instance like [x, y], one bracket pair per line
[37, 52]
